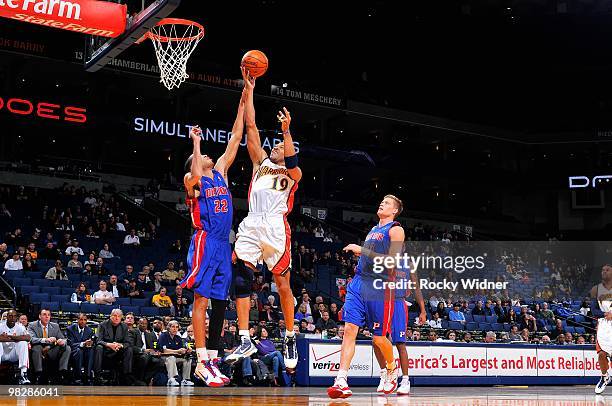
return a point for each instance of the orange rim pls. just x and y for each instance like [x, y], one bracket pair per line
[175, 21]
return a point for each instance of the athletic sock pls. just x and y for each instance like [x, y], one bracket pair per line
[289, 333]
[212, 354]
[342, 374]
[202, 354]
[405, 378]
[244, 333]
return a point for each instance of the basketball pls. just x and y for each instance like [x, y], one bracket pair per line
[256, 63]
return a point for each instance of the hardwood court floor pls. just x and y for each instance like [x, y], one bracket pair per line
[469, 396]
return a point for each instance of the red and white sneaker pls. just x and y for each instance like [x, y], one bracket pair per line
[214, 362]
[391, 382]
[340, 390]
[205, 372]
[383, 378]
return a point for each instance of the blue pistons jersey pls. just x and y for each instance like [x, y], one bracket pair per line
[212, 210]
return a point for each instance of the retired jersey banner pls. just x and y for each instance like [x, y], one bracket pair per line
[83, 16]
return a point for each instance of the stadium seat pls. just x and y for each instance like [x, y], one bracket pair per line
[445, 324]
[570, 329]
[62, 284]
[52, 290]
[52, 306]
[471, 326]
[497, 326]
[468, 317]
[131, 309]
[123, 301]
[507, 327]
[480, 318]
[579, 318]
[39, 297]
[26, 290]
[580, 330]
[90, 308]
[485, 326]
[69, 307]
[44, 282]
[67, 291]
[165, 311]
[60, 298]
[455, 325]
[107, 309]
[139, 302]
[18, 281]
[149, 311]
[232, 315]
[12, 276]
[491, 319]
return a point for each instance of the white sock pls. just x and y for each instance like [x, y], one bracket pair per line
[202, 354]
[244, 333]
[342, 374]
[289, 333]
[405, 379]
[212, 354]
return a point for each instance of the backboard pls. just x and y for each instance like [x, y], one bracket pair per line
[142, 15]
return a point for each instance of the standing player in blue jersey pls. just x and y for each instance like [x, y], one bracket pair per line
[368, 301]
[209, 259]
[398, 330]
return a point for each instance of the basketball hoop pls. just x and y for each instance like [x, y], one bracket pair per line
[174, 40]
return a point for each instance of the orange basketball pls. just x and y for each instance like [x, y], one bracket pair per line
[256, 63]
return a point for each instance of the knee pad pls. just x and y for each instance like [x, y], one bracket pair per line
[243, 280]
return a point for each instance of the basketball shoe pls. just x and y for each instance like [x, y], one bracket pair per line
[205, 372]
[383, 378]
[601, 385]
[290, 352]
[404, 388]
[340, 389]
[246, 349]
[391, 382]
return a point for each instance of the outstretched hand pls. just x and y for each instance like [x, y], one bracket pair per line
[285, 119]
[249, 81]
[195, 133]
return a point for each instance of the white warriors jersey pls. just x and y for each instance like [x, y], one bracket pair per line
[271, 190]
[604, 297]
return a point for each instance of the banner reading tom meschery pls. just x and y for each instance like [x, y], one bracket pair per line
[83, 16]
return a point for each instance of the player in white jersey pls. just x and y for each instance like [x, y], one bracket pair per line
[14, 345]
[264, 235]
[603, 294]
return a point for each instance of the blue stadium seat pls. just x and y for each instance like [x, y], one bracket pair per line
[26, 290]
[70, 307]
[480, 318]
[491, 319]
[517, 309]
[232, 315]
[60, 298]
[471, 326]
[67, 291]
[497, 326]
[579, 318]
[445, 324]
[580, 330]
[90, 308]
[455, 325]
[570, 329]
[52, 306]
[149, 311]
[468, 317]
[11, 276]
[39, 297]
[132, 309]
[123, 301]
[485, 326]
[139, 302]
[62, 284]
[149, 295]
[21, 281]
[165, 311]
[44, 282]
[74, 278]
[107, 309]
[507, 327]
[52, 290]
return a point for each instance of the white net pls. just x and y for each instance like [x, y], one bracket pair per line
[174, 44]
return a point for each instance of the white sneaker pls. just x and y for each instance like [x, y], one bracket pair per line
[214, 365]
[186, 382]
[205, 373]
[383, 378]
[173, 382]
[404, 388]
[339, 390]
[601, 385]
[391, 382]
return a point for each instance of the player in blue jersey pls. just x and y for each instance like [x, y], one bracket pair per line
[209, 259]
[398, 330]
[369, 300]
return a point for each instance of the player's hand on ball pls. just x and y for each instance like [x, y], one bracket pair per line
[249, 81]
[356, 249]
[285, 119]
[195, 133]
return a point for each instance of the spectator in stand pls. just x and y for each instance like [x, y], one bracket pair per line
[558, 330]
[302, 312]
[432, 336]
[105, 252]
[321, 308]
[50, 252]
[23, 319]
[103, 296]
[170, 275]
[181, 302]
[74, 261]
[128, 275]
[32, 251]
[48, 341]
[569, 338]
[119, 226]
[333, 312]
[585, 309]
[4, 255]
[99, 269]
[325, 323]
[14, 340]
[131, 240]
[488, 308]
[176, 352]
[478, 310]
[116, 288]
[181, 207]
[74, 247]
[456, 315]
[161, 299]
[580, 340]
[269, 355]
[91, 259]
[525, 335]
[90, 233]
[514, 333]
[467, 338]
[561, 339]
[177, 249]
[416, 335]
[147, 360]
[490, 337]
[527, 320]
[133, 291]
[157, 281]
[81, 294]
[511, 317]
[451, 336]
[14, 264]
[142, 284]
[436, 321]
[81, 340]
[57, 272]
[340, 333]
[318, 232]
[29, 265]
[465, 307]
[268, 314]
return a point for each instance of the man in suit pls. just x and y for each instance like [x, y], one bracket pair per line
[81, 341]
[48, 341]
[147, 360]
[112, 343]
[115, 287]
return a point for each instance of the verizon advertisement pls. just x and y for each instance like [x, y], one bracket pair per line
[462, 361]
[83, 16]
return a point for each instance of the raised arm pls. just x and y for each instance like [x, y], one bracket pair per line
[227, 159]
[290, 155]
[256, 152]
[195, 174]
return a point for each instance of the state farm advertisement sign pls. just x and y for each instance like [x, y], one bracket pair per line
[83, 16]
[324, 360]
[463, 360]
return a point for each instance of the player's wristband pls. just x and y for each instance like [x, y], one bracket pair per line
[291, 161]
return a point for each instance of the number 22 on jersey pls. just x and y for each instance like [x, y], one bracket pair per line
[221, 206]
